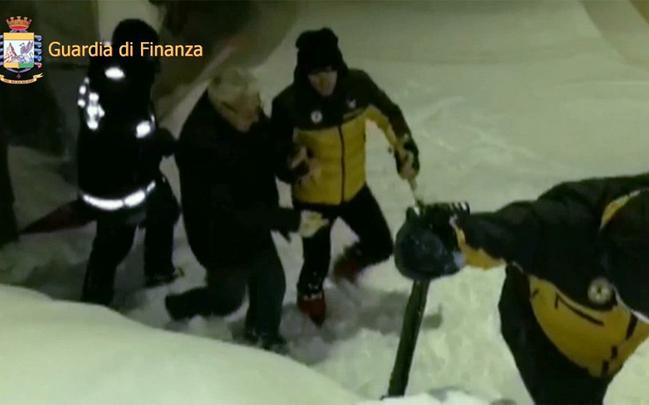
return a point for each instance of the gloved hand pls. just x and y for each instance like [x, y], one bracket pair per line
[439, 217]
[310, 223]
[406, 156]
[426, 247]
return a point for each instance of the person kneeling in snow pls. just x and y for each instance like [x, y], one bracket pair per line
[322, 117]
[230, 206]
[575, 302]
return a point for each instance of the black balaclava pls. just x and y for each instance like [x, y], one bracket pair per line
[140, 69]
[136, 31]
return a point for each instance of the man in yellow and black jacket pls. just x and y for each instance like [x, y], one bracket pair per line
[575, 302]
[320, 120]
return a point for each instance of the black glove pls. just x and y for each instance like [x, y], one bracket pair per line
[166, 142]
[438, 216]
[426, 246]
[410, 146]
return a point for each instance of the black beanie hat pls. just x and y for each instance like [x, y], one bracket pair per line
[318, 49]
[626, 252]
[136, 31]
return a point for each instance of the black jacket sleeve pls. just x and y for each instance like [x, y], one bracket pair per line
[547, 236]
[194, 164]
[389, 117]
[539, 237]
[256, 218]
[390, 114]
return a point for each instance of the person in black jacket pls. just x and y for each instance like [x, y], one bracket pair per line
[120, 148]
[321, 117]
[575, 302]
[230, 206]
[8, 230]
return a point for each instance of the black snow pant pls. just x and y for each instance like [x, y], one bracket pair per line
[363, 215]
[262, 275]
[549, 376]
[114, 240]
[8, 228]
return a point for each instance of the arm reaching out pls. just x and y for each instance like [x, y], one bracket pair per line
[531, 235]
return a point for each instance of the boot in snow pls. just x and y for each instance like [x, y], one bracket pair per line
[350, 264]
[314, 306]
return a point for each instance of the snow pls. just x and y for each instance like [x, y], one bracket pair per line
[505, 99]
[68, 353]
[63, 352]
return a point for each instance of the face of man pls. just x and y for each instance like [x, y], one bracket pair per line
[242, 112]
[324, 81]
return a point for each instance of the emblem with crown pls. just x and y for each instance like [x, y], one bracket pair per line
[19, 23]
[21, 52]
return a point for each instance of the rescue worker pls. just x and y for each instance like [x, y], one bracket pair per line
[320, 121]
[575, 302]
[120, 148]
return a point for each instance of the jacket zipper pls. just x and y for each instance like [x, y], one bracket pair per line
[342, 163]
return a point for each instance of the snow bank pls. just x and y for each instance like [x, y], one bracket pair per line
[60, 352]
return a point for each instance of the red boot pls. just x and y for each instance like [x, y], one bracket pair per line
[314, 306]
[349, 265]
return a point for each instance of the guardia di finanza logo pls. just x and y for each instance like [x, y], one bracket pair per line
[21, 53]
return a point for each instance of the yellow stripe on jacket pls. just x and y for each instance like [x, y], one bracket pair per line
[340, 152]
[598, 341]
[593, 339]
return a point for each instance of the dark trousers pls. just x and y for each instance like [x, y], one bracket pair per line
[262, 275]
[114, 240]
[549, 376]
[363, 215]
[8, 228]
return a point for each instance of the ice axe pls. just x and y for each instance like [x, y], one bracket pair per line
[412, 319]
[415, 307]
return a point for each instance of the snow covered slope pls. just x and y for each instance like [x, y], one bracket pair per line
[57, 352]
